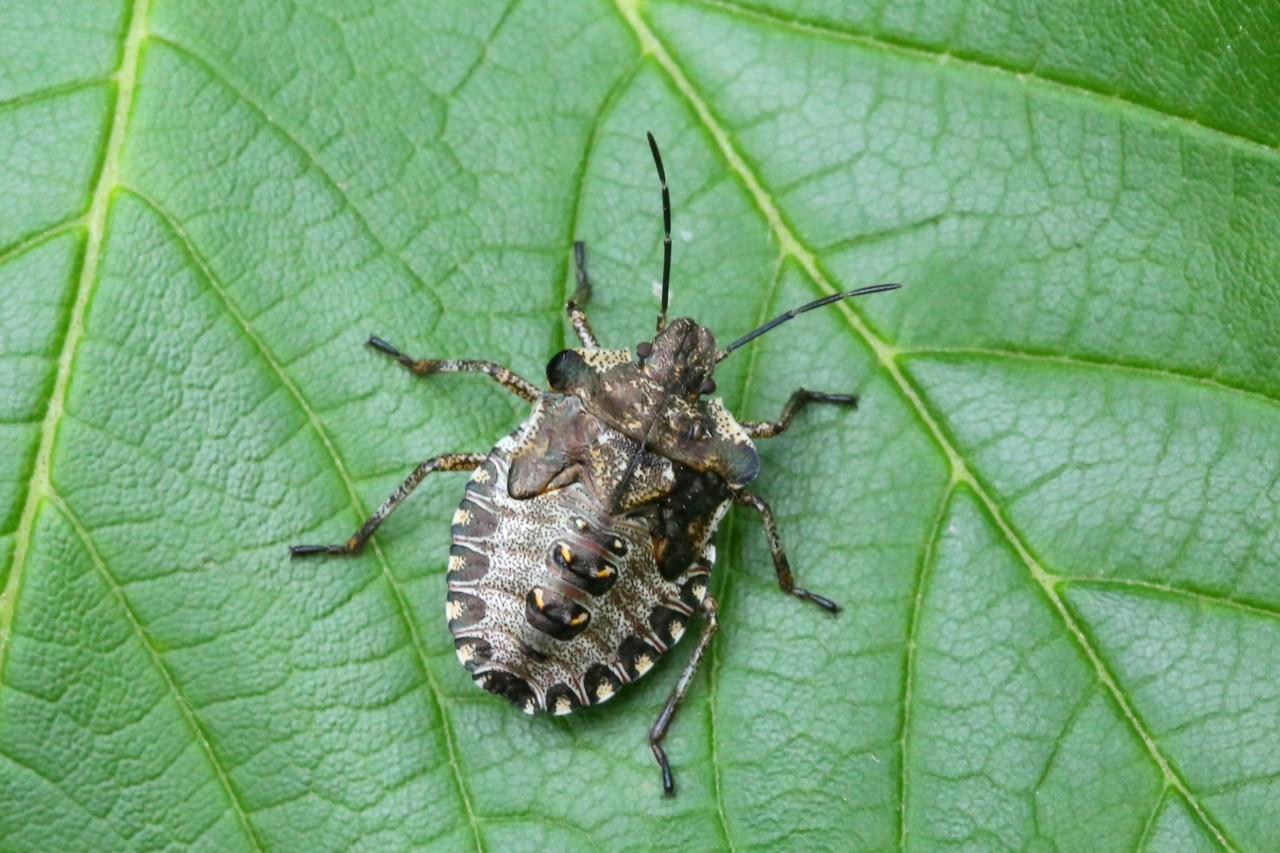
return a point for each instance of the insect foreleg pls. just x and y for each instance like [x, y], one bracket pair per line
[426, 366]
[768, 429]
[354, 545]
[574, 307]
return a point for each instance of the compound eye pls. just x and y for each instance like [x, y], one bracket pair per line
[708, 387]
[564, 368]
[644, 349]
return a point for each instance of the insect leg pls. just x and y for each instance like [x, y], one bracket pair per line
[780, 563]
[578, 316]
[768, 429]
[354, 545]
[426, 366]
[659, 729]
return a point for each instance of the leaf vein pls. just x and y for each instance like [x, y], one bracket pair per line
[397, 593]
[48, 94]
[927, 557]
[1173, 590]
[888, 357]
[986, 64]
[44, 235]
[1156, 811]
[732, 538]
[90, 817]
[215, 73]
[1086, 362]
[483, 53]
[607, 104]
[39, 484]
[185, 708]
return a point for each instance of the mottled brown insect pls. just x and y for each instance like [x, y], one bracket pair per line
[584, 544]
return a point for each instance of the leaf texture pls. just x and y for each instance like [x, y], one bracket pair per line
[1052, 520]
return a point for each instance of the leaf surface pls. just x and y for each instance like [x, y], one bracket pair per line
[1052, 519]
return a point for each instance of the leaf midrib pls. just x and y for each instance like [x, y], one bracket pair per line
[40, 485]
[888, 357]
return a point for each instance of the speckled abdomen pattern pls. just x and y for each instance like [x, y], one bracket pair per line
[553, 603]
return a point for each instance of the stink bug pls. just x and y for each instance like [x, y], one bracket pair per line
[585, 540]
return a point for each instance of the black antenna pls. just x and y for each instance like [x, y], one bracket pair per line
[666, 232]
[817, 303]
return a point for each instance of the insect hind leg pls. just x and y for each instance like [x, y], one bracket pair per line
[781, 565]
[354, 545]
[659, 729]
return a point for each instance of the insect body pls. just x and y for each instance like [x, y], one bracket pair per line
[556, 599]
[583, 546]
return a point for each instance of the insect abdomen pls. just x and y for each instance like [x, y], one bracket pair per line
[553, 602]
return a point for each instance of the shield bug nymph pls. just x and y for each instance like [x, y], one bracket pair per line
[584, 543]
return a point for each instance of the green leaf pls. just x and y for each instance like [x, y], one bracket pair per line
[1052, 519]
